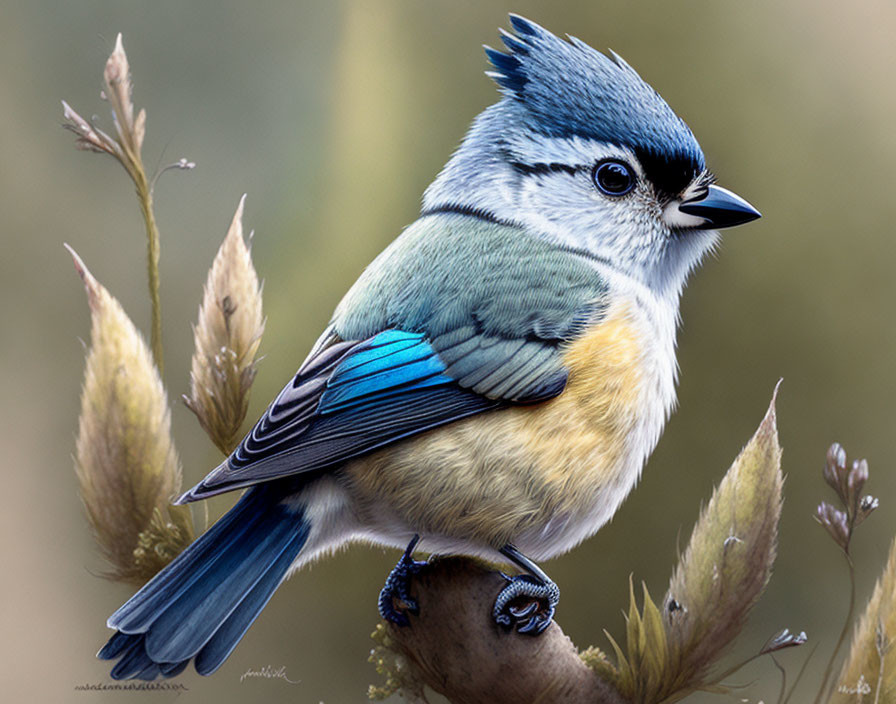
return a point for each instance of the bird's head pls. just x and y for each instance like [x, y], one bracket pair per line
[582, 151]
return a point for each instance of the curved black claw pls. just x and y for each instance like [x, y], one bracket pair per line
[527, 601]
[397, 588]
[527, 604]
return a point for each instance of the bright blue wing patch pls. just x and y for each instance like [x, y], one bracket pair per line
[393, 362]
[349, 399]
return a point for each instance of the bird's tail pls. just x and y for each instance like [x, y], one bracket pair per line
[202, 603]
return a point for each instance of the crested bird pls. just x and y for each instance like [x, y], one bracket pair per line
[492, 384]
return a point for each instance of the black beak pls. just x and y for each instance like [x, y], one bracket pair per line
[720, 207]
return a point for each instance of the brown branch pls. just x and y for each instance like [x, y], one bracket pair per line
[455, 648]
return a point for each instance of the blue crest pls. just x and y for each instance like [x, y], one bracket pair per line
[569, 89]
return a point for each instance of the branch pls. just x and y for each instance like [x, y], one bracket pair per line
[455, 648]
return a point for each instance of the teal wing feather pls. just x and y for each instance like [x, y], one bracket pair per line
[496, 303]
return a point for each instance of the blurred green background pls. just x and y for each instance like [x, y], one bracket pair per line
[334, 116]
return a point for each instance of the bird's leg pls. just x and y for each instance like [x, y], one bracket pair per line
[527, 601]
[397, 587]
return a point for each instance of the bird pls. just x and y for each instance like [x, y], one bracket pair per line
[492, 384]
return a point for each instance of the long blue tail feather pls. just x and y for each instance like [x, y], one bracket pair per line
[134, 661]
[143, 608]
[222, 643]
[116, 645]
[203, 602]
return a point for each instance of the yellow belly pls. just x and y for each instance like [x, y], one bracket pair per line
[492, 478]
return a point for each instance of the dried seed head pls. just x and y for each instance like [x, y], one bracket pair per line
[872, 657]
[858, 475]
[835, 465]
[719, 578]
[867, 505]
[226, 337]
[130, 131]
[89, 137]
[118, 89]
[848, 482]
[783, 639]
[728, 561]
[836, 523]
[126, 464]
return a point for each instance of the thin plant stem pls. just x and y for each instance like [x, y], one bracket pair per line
[783, 679]
[144, 194]
[825, 687]
[133, 164]
[799, 675]
[734, 668]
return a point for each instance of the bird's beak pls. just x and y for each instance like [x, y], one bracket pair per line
[719, 207]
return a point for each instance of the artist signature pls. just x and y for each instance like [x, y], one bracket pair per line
[269, 673]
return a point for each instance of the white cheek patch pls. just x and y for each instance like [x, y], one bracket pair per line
[673, 217]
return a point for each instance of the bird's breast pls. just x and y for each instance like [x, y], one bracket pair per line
[544, 476]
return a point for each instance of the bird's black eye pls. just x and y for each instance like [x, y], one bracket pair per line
[614, 178]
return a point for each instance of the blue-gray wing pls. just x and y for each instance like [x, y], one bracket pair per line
[351, 398]
[458, 316]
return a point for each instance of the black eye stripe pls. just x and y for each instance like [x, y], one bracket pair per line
[544, 168]
[669, 176]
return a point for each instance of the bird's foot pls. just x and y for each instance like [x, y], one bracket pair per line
[527, 604]
[397, 588]
[527, 601]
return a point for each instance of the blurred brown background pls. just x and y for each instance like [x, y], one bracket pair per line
[334, 116]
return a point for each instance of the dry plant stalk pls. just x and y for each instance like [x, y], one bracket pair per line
[226, 337]
[869, 673]
[126, 463]
[847, 481]
[726, 566]
[125, 460]
[126, 149]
